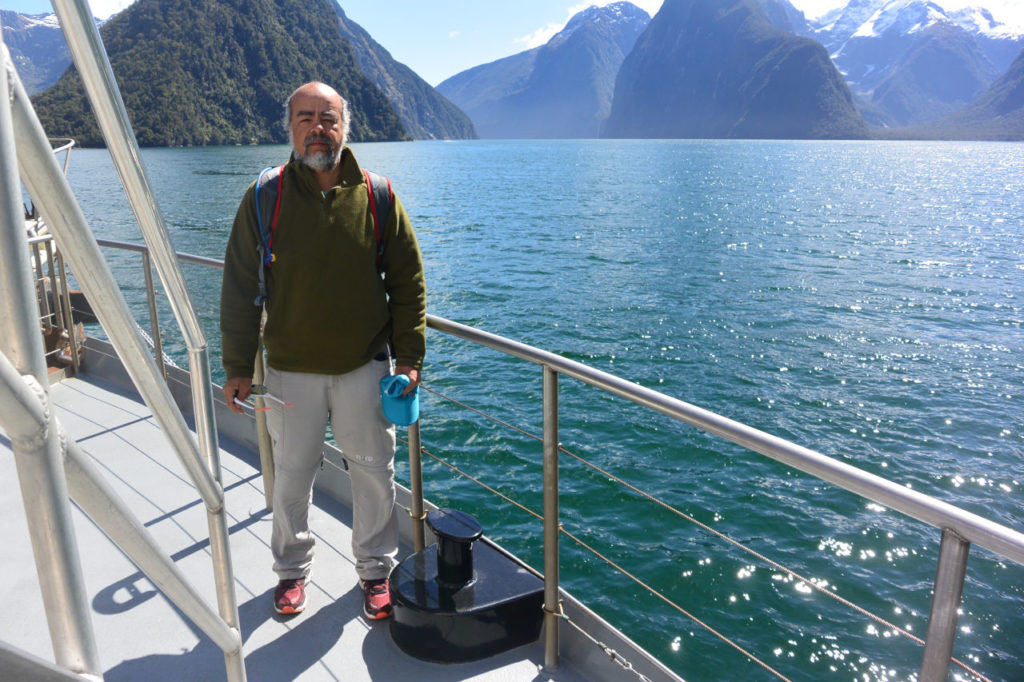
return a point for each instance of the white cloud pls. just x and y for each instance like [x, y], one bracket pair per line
[1010, 12]
[813, 9]
[542, 35]
[103, 9]
[649, 6]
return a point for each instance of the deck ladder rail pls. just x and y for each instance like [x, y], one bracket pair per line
[46, 492]
[959, 528]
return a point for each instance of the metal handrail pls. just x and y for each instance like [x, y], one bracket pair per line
[57, 563]
[960, 528]
[90, 58]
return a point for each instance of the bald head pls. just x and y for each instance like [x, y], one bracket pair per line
[317, 121]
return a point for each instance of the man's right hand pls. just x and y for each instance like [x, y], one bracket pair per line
[237, 387]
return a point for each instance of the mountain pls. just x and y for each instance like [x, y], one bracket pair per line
[37, 48]
[197, 72]
[720, 69]
[940, 72]
[910, 61]
[425, 114]
[782, 14]
[997, 115]
[562, 89]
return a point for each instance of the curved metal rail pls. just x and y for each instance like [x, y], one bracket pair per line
[48, 466]
[959, 528]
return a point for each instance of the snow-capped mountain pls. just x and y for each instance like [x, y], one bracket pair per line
[910, 61]
[562, 89]
[36, 46]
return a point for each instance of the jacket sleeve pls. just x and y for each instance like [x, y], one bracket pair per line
[406, 287]
[239, 316]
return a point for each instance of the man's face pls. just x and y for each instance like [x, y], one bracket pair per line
[318, 134]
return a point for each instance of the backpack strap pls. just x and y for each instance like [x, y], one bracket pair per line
[382, 199]
[267, 197]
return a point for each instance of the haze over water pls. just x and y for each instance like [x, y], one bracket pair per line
[862, 299]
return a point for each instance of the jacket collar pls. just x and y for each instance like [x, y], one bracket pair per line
[351, 174]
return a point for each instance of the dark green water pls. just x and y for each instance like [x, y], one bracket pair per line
[861, 299]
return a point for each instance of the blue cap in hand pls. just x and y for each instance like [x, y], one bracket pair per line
[401, 410]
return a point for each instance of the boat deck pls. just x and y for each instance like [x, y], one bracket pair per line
[140, 635]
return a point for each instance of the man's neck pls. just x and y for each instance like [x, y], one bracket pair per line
[329, 178]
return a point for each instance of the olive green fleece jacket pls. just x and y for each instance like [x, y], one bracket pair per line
[329, 311]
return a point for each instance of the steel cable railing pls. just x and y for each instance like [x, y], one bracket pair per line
[960, 527]
[811, 584]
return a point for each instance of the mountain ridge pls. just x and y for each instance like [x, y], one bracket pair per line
[202, 72]
[705, 68]
[425, 112]
[562, 89]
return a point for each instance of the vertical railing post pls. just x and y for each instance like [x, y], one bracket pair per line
[39, 459]
[69, 313]
[416, 486]
[154, 316]
[90, 59]
[53, 299]
[40, 283]
[263, 441]
[552, 609]
[949, 587]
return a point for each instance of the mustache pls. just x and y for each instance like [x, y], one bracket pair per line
[314, 138]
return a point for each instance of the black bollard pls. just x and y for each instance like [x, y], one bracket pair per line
[456, 532]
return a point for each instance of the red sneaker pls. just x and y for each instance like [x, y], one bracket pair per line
[290, 596]
[376, 599]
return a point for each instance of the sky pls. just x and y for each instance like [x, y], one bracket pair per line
[441, 38]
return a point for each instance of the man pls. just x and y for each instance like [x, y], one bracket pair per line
[335, 319]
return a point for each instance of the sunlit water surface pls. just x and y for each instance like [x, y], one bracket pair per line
[861, 299]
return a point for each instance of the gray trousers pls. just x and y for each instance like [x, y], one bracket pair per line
[367, 440]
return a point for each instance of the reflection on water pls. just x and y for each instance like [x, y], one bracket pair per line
[862, 299]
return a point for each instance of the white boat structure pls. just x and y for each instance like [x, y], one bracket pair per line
[168, 483]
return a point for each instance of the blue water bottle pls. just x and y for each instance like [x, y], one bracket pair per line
[401, 410]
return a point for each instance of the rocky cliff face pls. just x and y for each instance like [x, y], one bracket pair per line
[424, 112]
[997, 115]
[560, 90]
[37, 48]
[720, 69]
[913, 61]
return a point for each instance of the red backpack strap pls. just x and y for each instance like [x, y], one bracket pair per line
[381, 198]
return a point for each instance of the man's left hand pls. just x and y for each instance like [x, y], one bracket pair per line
[414, 377]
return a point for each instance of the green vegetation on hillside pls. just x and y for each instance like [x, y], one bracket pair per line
[212, 72]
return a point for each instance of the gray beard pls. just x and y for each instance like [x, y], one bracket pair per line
[321, 161]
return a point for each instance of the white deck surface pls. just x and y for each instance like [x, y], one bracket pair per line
[140, 635]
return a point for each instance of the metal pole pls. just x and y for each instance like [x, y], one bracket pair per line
[154, 317]
[266, 446]
[22, 415]
[949, 588]
[552, 607]
[69, 314]
[40, 283]
[90, 58]
[49, 189]
[220, 549]
[38, 455]
[55, 288]
[998, 538]
[416, 486]
[24, 667]
[98, 500]
[86, 48]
